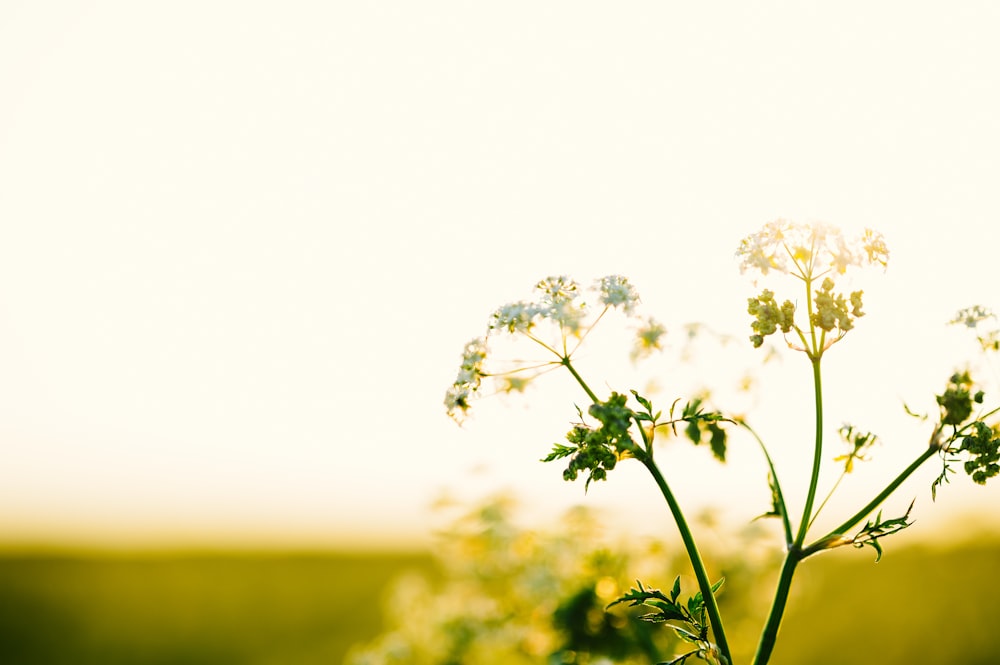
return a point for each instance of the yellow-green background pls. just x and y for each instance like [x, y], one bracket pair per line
[918, 604]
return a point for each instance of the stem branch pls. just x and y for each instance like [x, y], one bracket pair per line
[873, 504]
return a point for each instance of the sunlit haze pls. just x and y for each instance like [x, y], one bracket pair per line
[243, 245]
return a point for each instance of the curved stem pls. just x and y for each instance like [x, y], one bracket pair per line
[777, 486]
[769, 635]
[704, 584]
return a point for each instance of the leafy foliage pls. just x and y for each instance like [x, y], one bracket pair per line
[597, 450]
[704, 425]
[687, 619]
[956, 401]
[983, 447]
[505, 595]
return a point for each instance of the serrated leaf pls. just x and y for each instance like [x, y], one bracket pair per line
[559, 451]
[653, 617]
[879, 528]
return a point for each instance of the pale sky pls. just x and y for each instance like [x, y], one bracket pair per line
[243, 243]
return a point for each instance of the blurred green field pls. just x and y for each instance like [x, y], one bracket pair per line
[917, 605]
[161, 609]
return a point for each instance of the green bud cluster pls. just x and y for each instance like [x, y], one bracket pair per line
[832, 309]
[597, 450]
[769, 316]
[984, 453]
[956, 402]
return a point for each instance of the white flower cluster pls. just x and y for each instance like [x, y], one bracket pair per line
[558, 300]
[975, 317]
[469, 379]
[616, 291]
[809, 250]
[971, 317]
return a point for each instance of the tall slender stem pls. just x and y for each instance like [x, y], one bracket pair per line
[769, 635]
[700, 573]
[817, 454]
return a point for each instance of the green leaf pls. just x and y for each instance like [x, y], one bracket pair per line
[717, 441]
[646, 404]
[559, 451]
[879, 528]
[775, 499]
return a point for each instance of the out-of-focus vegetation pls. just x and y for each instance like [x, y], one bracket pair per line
[497, 592]
[509, 596]
[513, 596]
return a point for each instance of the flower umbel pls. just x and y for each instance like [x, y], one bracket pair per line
[558, 300]
[809, 251]
[971, 317]
[616, 291]
[469, 379]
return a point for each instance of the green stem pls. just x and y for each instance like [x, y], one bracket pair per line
[813, 351]
[579, 379]
[826, 499]
[704, 585]
[769, 635]
[777, 486]
[871, 505]
[817, 454]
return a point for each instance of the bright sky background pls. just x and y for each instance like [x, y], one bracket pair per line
[243, 243]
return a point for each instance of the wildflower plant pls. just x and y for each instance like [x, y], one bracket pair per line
[814, 315]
